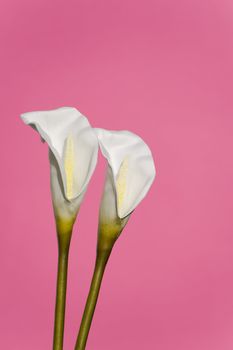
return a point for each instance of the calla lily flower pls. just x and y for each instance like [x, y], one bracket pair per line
[73, 149]
[130, 174]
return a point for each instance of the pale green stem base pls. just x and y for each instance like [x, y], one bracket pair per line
[63, 254]
[101, 261]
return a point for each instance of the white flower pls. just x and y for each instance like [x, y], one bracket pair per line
[130, 174]
[73, 155]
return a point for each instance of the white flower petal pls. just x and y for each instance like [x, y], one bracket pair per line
[132, 166]
[73, 143]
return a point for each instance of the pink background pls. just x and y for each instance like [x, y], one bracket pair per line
[162, 69]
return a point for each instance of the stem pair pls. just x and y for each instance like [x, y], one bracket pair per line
[104, 248]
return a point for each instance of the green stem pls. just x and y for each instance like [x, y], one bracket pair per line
[63, 255]
[101, 261]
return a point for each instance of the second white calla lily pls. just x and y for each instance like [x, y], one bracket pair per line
[73, 155]
[130, 174]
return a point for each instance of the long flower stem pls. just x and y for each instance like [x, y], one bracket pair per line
[101, 261]
[63, 255]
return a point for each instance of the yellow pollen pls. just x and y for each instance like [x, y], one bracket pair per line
[121, 182]
[69, 166]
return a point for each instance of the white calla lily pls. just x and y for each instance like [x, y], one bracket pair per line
[130, 174]
[73, 149]
[73, 155]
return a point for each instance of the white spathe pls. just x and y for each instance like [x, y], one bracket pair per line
[73, 152]
[130, 173]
